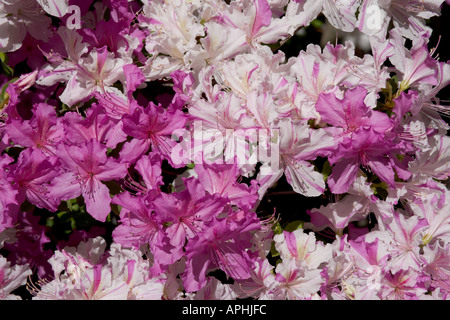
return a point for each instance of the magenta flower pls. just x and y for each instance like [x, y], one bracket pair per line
[402, 285]
[351, 113]
[187, 212]
[222, 179]
[96, 125]
[43, 131]
[222, 245]
[33, 174]
[140, 226]
[86, 166]
[30, 245]
[367, 139]
[149, 167]
[8, 193]
[370, 150]
[152, 126]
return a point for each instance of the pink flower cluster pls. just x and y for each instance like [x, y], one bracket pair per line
[91, 116]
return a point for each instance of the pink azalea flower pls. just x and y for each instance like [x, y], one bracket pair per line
[96, 125]
[436, 262]
[86, 166]
[152, 126]
[33, 174]
[369, 149]
[30, 52]
[222, 179]
[29, 247]
[350, 113]
[42, 132]
[188, 212]
[402, 285]
[222, 245]
[149, 167]
[8, 193]
[140, 226]
[107, 33]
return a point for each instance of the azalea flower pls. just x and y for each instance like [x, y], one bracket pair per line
[370, 150]
[98, 275]
[407, 16]
[412, 65]
[298, 144]
[222, 245]
[33, 173]
[294, 283]
[86, 165]
[403, 241]
[261, 283]
[8, 194]
[183, 127]
[302, 248]
[11, 278]
[402, 285]
[435, 263]
[222, 179]
[188, 212]
[96, 125]
[19, 17]
[42, 132]
[152, 126]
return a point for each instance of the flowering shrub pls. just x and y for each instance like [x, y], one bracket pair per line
[144, 145]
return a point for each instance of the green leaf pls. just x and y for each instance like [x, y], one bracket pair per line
[273, 251]
[294, 225]
[190, 165]
[7, 70]
[116, 209]
[277, 229]
[316, 23]
[326, 170]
